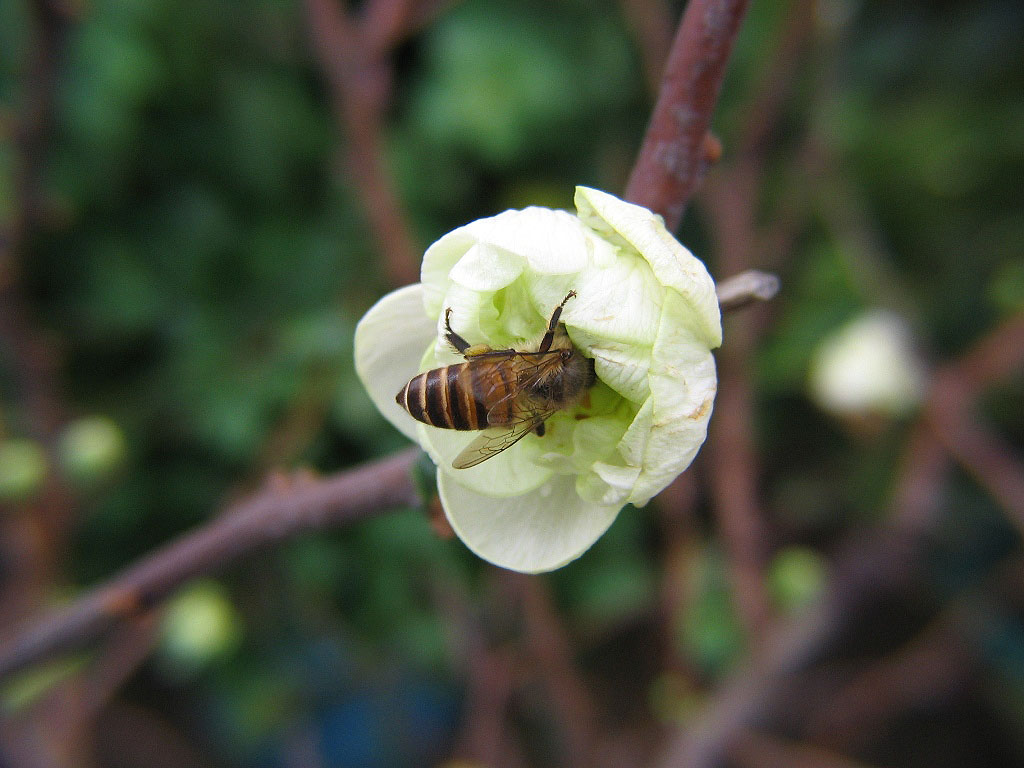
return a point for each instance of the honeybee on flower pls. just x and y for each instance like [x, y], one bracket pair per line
[633, 306]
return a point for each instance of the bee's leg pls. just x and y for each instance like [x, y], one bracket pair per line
[460, 344]
[545, 343]
[539, 429]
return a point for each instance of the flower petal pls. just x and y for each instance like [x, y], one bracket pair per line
[683, 385]
[620, 302]
[538, 531]
[389, 344]
[673, 265]
[551, 242]
[486, 267]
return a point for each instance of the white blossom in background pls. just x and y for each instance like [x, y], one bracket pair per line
[869, 366]
[645, 311]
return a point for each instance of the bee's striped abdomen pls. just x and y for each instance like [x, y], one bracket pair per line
[452, 397]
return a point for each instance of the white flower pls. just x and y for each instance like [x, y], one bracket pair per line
[645, 311]
[868, 366]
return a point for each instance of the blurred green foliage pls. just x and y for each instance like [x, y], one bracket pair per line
[203, 257]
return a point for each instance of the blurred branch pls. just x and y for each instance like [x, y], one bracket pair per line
[676, 507]
[942, 661]
[271, 516]
[929, 669]
[983, 454]
[31, 544]
[551, 648]
[355, 63]
[759, 750]
[746, 288]
[33, 358]
[651, 24]
[385, 24]
[733, 195]
[33, 127]
[865, 568]
[490, 680]
[674, 156]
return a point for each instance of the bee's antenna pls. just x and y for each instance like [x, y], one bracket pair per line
[549, 337]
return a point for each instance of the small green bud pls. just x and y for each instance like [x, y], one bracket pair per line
[22, 469]
[200, 624]
[91, 449]
[796, 577]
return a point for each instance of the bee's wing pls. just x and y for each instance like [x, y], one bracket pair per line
[494, 440]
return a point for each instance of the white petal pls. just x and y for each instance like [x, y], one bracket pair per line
[618, 482]
[620, 302]
[683, 386]
[551, 242]
[389, 344]
[620, 365]
[673, 265]
[486, 267]
[538, 531]
[438, 262]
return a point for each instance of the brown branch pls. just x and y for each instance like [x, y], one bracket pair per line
[359, 77]
[984, 455]
[759, 750]
[746, 288]
[681, 549]
[651, 24]
[732, 197]
[747, 696]
[673, 157]
[32, 543]
[861, 571]
[385, 24]
[931, 668]
[269, 517]
[33, 357]
[550, 647]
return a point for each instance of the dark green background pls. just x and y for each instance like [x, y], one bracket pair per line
[202, 258]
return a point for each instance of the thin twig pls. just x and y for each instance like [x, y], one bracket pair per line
[266, 518]
[864, 568]
[760, 750]
[931, 668]
[982, 453]
[651, 24]
[34, 361]
[31, 544]
[746, 288]
[732, 196]
[359, 80]
[551, 649]
[673, 157]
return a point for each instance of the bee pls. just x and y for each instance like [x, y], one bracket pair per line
[507, 393]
